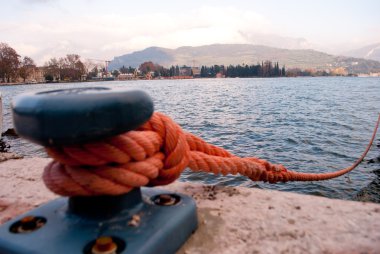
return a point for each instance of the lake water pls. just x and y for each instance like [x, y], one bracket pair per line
[306, 124]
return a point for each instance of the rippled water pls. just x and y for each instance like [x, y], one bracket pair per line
[307, 124]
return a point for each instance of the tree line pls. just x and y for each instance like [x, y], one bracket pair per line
[156, 70]
[13, 66]
[68, 68]
[265, 69]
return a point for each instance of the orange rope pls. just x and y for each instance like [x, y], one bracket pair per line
[156, 154]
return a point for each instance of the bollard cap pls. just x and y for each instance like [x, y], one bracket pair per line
[79, 115]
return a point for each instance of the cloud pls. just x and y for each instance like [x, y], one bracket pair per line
[105, 35]
[108, 35]
[26, 49]
[99, 29]
[37, 1]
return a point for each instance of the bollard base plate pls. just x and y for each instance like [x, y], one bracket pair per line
[146, 227]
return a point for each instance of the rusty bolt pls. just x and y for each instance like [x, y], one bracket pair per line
[28, 224]
[166, 200]
[104, 245]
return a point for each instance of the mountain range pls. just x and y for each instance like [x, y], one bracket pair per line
[368, 52]
[235, 54]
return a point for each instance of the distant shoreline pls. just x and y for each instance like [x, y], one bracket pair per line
[59, 82]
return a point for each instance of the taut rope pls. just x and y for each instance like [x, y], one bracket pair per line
[156, 154]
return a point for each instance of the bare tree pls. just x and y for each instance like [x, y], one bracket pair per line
[65, 68]
[89, 65]
[53, 69]
[26, 68]
[9, 62]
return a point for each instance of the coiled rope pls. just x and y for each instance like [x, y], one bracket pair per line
[156, 154]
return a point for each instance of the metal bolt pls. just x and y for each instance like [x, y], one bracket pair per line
[28, 224]
[166, 200]
[104, 245]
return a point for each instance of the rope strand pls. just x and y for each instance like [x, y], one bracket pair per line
[156, 154]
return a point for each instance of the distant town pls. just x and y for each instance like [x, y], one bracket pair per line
[72, 68]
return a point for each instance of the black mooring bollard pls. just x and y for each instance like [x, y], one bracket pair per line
[146, 220]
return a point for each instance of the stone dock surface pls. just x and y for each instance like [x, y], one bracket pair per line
[232, 219]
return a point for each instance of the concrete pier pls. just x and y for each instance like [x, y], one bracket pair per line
[232, 220]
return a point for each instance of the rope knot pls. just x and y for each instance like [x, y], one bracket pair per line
[154, 154]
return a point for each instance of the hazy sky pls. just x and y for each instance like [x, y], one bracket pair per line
[103, 29]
